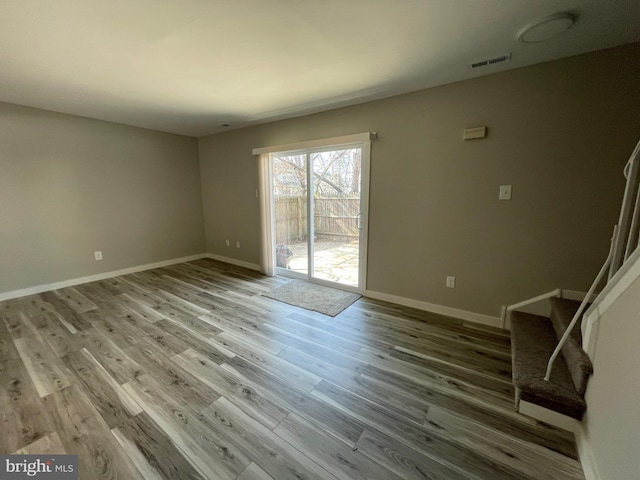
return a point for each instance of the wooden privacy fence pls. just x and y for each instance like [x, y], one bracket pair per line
[291, 219]
[335, 218]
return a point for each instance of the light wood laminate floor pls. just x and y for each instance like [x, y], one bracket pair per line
[188, 372]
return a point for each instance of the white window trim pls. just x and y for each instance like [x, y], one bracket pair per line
[324, 142]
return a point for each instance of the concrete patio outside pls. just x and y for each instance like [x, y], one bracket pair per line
[336, 261]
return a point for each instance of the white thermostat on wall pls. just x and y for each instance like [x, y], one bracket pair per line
[474, 133]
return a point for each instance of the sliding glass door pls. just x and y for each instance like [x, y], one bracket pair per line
[319, 211]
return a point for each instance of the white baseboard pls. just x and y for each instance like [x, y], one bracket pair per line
[439, 309]
[233, 261]
[548, 416]
[536, 306]
[540, 305]
[542, 309]
[576, 295]
[93, 278]
[585, 453]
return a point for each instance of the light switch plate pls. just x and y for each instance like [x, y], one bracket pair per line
[505, 192]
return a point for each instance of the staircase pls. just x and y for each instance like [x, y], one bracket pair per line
[550, 367]
[533, 340]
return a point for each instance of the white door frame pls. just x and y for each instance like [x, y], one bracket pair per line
[362, 141]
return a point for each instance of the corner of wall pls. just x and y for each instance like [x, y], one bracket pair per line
[585, 454]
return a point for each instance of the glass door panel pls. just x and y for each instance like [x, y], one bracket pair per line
[290, 194]
[336, 211]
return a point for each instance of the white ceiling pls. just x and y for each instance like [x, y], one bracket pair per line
[187, 66]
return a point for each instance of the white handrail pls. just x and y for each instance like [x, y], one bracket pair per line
[632, 172]
[634, 230]
[624, 235]
[583, 305]
[553, 293]
[626, 169]
[633, 156]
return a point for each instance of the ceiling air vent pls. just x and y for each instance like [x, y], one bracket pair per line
[490, 61]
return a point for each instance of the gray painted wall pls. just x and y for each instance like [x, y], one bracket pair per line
[559, 132]
[70, 186]
[612, 420]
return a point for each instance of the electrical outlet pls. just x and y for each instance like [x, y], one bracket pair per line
[237, 244]
[97, 255]
[451, 282]
[227, 242]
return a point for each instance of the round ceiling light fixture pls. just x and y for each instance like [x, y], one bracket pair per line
[546, 28]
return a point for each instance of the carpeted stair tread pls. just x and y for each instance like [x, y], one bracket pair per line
[578, 362]
[564, 311]
[532, 342]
